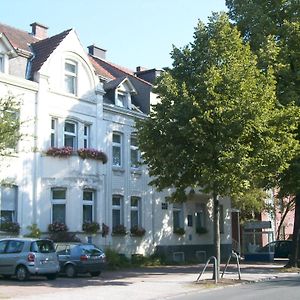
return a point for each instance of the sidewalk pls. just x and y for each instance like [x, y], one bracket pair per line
[143, 283]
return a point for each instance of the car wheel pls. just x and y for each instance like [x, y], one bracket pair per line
[95, 273]
[22, 274]
[70, 271]
[51, 276]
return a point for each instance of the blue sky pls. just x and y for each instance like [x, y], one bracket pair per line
[134, 32]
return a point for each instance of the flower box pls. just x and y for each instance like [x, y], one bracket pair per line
[119, 230]
[179, 231]
[57, 227]
[90, 227]
[137, 231]
[11, 227]
[60, 152]
[92, 154]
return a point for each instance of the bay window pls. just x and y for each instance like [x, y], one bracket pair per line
[70, 134]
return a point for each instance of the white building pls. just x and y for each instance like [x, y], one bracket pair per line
[76, 99]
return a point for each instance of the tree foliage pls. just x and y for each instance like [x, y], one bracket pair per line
[9, 124]
[218, 125]
[274, 26]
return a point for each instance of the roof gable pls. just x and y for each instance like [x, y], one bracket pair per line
[43, 49]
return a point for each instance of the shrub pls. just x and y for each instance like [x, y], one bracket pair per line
[90, 227]
[12, 227]
[116, 260]
[34, 231]
[93, 154]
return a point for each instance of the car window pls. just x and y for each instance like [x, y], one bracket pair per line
[91, 250]
[14, 247]
[2, 246]
[63, 249]
[42, 246]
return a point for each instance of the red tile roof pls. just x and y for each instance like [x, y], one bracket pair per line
[99, 69]
[18, 38]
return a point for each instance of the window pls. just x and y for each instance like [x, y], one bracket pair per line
[121, 100]
[1, 63]
[14, 247]
[86, 136]
[134, 152]
[117, 210]
[117, 149]
[8, 204]
[88, 206]
[70, 134]
[70, 77]
[177, 216]
[135, 212]
[53, 132]
[200, 216]
[221, 210]
[59, 205]
[11, 126]
[164, 205]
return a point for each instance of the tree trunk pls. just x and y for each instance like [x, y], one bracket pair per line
[217, 239]
[293, 262]
[288, 208]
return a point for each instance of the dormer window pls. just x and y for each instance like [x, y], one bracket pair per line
[70, 77]
[121, 100]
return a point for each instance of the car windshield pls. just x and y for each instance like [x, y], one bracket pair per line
[91, 250]
[42, 246]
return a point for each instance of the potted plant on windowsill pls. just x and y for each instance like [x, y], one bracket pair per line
[201, 230]
[137, 231]
[119, 230]
[90, 227]
[179, 231]
[92, 154]
[60, 152]
[11, 227]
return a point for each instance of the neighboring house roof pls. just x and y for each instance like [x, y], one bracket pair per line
[20, 39]
[143, 88]
[43, 49]
[100, 70]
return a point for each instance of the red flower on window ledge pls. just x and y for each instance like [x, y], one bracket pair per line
[93, 154]
[60, 152]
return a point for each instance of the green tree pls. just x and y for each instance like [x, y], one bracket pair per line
[274, 26]
[9, 124]
[217, 125]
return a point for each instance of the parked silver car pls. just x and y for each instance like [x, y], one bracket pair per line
[24, 257]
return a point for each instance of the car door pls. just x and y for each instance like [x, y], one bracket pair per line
[13, 255]
[3, 264]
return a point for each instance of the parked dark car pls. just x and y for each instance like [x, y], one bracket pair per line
[77, 258]
[281, 248]
[24, 257]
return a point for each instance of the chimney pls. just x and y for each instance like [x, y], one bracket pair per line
[140, 69]
[97, 52]
[38, 30]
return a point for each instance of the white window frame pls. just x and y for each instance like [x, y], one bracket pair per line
[71, 134]
[86, 136]
[136, 208]
[90, 202]
[117, 145]
[200, 214]
[134, 150]
[119, 208]
[69, 75]
[53, 135]
[121, 99]
[58, 201]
